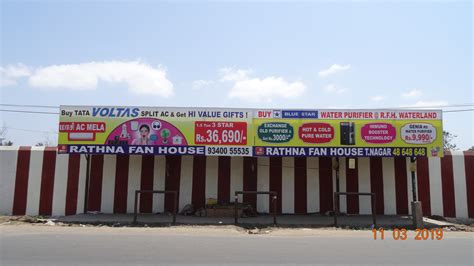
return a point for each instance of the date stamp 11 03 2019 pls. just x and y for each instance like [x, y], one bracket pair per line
[402, 234]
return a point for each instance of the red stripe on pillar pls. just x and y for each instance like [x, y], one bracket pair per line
[72, 183]
[447, 185]
[352, 185]
[276, 180]
[47, 181]
[300, 185]
[121, 184]
[198, 196]
[325, 185]
[376, 183]
[401, 185]
[469, 167]
[146, 183]
[423, 177]
[95, 182]
[21, 181]
[250, 180]
[172, 178]
[223, 179]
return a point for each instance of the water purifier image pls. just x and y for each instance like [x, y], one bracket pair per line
[347, 133]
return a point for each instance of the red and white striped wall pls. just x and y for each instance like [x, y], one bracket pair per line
[38, 181]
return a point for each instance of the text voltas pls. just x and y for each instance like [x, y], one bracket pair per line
[115, 112]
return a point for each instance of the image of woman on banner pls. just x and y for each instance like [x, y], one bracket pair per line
[143, 137]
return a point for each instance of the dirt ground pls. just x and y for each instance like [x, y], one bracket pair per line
[32, 223]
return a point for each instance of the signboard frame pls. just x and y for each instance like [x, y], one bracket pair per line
[250, 132]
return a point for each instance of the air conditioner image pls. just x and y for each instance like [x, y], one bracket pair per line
[347, 133]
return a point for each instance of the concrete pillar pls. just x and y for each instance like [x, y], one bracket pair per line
[417, 213]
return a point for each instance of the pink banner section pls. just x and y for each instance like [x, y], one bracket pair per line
[378, 133]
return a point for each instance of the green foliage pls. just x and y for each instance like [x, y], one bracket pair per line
[448, 141]
[6, 143]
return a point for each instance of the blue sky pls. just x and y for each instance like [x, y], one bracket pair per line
[303, 55]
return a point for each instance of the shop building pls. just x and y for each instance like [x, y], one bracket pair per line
[39, 181]
[105, 154]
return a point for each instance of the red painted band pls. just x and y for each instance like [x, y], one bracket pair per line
[250, 180]
[469, 168]
[401, 185]
[423, 177]
[352, 185]
[146, 183]
[447, 185]
[300, 185]
[121, 183]
[376, 183]
[47, 181]
[276, 181]
[198, 195]
[72, 183]
[21, 181]
[223, 180]
[172, 179]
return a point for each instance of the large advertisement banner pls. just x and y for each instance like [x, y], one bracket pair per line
[248, 132]
[349, 133]
[150, 130]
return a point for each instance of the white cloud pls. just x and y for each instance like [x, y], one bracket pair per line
[229, 74]
[5, 81]
[428, 104]
[412, 94]
[260, 89]
[10, 73]
[199, 84]
[140, 78]
[333, 69]
[377, 98]
[331, 88]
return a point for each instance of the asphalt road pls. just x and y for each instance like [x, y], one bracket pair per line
[53, 245]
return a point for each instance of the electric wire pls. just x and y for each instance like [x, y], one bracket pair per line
[457, 111]
[31, 130]
[29, 106]
[28, 112]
